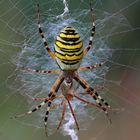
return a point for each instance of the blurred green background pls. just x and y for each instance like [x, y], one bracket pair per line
[122, 80]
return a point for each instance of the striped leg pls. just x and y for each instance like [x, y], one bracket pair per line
[33, 110]
[51, 96]
[89, 90]
[40, 99]
[91, 67]
[98, 99]
[42, 35]
[53, 91]
[43, 99]
[90, 44]
[41, 71]
[46, 116]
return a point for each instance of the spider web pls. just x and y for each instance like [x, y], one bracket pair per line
[116, 43]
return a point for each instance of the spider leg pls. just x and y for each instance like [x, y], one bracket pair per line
[71, 109]
[43, 99]
[53, 91]
[95, 105]
[91, 67]
[87, 102]
[33, 110]
[89, 90]
[42, 35]
[41, 71]
[46, 116]
[51, 96]
[90, 44]
[98, 99]
[63, 114]
[40, 99]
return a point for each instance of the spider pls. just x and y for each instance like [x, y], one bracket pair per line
[68, 53]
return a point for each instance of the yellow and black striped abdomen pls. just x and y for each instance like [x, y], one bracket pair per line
[68, 49]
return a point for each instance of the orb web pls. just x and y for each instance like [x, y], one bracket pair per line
[28, 51]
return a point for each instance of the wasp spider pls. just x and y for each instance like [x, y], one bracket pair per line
[68, 53]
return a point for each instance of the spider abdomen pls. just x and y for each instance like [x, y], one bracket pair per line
[68, 49]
